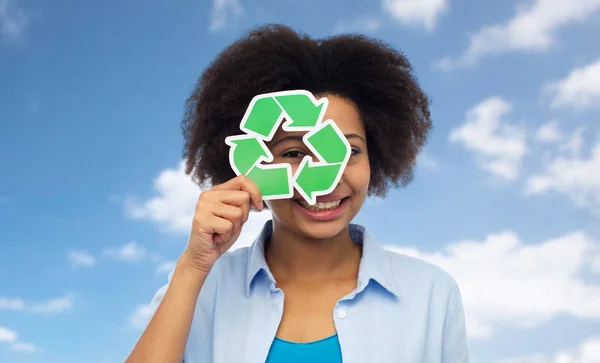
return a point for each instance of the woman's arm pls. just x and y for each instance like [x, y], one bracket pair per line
[165, 336]
[220, 214]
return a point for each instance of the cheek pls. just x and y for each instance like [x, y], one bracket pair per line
[357, 176]
[364, 182]
[277, 205]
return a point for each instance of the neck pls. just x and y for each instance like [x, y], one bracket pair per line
[298, 258]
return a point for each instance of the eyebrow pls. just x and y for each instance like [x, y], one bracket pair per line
[299, 138]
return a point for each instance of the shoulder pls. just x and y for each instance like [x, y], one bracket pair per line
[411, 272]
[233, 263]
[227, 272]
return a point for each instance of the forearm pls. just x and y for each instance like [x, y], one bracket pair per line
[165, 336]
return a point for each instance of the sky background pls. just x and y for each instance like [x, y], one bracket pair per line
[94, 205]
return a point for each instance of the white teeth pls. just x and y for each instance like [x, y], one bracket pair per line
[321, 206]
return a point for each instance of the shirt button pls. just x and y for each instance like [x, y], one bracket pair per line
[341, 313]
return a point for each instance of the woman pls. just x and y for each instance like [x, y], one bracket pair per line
[313, 287]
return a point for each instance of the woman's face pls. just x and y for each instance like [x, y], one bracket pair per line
[333, 212]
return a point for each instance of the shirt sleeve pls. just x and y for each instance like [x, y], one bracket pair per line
[455, 347]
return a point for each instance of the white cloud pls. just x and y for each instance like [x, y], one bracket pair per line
[173, 208]
[53, 306]
[367, 24]
[11, 337]
[129, 252]
[427, 161]
[549, 133]
[587, 352]
[576, 176]
[579, 90]
[542, 280]
[225, 12]
[425, 13]
[80, 258]
[374, 200]
[166, 266]
[48, 307]
[7, 335]
[138, 319]
[499, 147]
[12, 19]
[24, 347]
[574, 144]
[531, 29]
[13, 304]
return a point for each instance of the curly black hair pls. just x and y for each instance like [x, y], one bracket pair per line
[271, 58]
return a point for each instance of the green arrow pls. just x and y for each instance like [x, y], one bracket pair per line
[273, 181]
[246, 151]
[316, 179]
[329, 144]
[262, 117]
[303, 112]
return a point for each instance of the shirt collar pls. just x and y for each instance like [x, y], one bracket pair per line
[375, 263]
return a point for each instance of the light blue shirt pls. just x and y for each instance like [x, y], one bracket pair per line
[402, 310]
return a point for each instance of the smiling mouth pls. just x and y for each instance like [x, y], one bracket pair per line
[322, 206]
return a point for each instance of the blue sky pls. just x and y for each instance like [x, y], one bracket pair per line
[94, 207]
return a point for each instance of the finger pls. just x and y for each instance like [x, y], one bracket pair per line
[244, 183]
[236, 199]
[214, 224]
[232, 197]
[232, 213]
[236, 214]
[245, 211]
[223, 229]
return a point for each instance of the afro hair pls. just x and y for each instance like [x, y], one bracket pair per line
[271, 58]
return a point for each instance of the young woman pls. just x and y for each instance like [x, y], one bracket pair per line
[313, 287]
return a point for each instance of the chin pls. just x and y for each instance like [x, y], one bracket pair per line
[323, 230]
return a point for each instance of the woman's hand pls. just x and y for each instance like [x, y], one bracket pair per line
[220, 214]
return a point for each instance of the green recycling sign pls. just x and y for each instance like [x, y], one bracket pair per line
[249, 155]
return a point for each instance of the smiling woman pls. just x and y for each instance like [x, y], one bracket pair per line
[313, 286]
[339, 207]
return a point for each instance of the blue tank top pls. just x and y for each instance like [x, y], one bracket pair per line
[321, 351]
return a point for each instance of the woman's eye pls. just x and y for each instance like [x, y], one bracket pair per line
[293, 154]
[299, 154]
